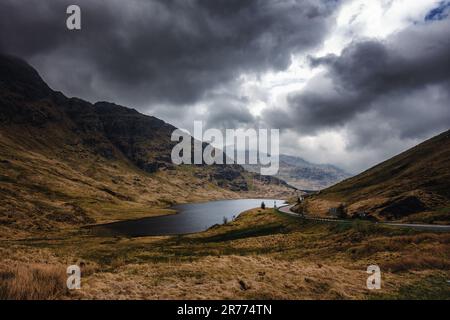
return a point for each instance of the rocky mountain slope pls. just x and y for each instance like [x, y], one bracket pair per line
[309, 176]
[65, 161]
[412, 186]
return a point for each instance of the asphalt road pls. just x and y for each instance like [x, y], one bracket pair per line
[430, 227]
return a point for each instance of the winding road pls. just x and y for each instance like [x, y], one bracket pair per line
[431, 227]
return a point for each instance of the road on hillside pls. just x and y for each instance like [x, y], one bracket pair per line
[430, 227]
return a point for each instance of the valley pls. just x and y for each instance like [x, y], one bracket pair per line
[67, 164]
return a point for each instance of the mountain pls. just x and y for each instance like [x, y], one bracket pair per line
[65, 161]
[412, 186]
[304, 175]
[309, 176]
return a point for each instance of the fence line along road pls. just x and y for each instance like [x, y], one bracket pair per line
[432, 227]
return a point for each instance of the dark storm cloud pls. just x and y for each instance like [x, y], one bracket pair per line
[399, 87]
[138, 52]
[229, 112]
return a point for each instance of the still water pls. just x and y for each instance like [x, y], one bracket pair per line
[193, 217]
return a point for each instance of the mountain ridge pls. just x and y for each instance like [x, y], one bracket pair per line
[305, 175]
[66, 161]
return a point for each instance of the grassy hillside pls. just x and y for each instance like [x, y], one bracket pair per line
[412, 186]
[66, 162]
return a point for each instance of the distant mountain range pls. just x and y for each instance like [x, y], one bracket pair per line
[305, 175]
[66, 161]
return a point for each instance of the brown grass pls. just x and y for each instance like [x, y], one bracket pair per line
[416, 263]
[32, 282]
[228, 277]
[260, 255]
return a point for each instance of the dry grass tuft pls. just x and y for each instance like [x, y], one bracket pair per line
[416, 262]
[32, 282]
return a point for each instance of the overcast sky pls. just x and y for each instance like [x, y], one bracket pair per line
[349, 83]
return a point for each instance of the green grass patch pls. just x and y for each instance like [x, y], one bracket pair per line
[433, 287]
[246, 233]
